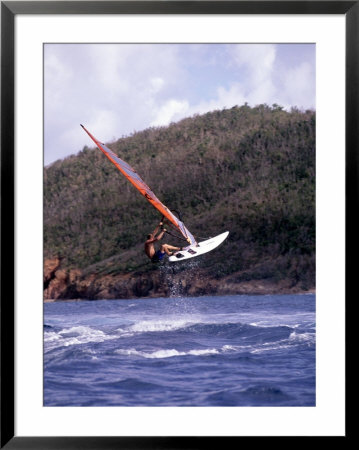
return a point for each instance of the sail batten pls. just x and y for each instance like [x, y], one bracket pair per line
[142, 187]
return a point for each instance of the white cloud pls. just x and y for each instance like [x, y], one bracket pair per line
[170, 111]
[157, 83]
[267, 78]
[224, 98]
[258, 60]
[115, 88]
[298, 86]
[119, 88]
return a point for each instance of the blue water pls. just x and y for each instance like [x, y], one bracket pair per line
[206, 351]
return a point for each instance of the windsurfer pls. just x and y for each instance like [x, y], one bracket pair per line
[156, 256]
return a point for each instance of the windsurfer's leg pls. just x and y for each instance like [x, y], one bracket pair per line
[167, 248]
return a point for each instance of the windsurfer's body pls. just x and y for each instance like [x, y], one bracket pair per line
[156, 256]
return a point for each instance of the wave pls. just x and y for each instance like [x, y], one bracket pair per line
[74, 336]
[260, 395]
[160, 325]
[257, 347]
[159, 354]
[245, 337]
[308, 339]
[131, 384]
[196, 326]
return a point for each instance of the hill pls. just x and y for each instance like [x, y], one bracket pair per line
[247, 170]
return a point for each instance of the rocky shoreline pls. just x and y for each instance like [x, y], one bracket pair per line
[61, 284]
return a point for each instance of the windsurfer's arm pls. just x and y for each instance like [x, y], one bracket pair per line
[157, 238]
[160, 236]
[156, 230]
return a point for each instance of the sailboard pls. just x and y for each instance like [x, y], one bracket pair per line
[193, 248]
[199, 249]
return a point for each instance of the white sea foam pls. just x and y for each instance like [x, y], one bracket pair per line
[282, 344]
[75, 336]
[166, 353]
[269, 347]
[159, 325]
[51, 340]
[237, 348]
[302, 337]
[123, 332]
[50, 336]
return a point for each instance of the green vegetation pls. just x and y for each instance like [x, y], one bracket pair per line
[250, 171]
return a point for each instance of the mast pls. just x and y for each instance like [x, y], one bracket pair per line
[142, 187]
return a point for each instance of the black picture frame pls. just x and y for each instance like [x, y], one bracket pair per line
[9, 9]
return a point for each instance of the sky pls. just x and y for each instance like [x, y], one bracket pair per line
[118, 89]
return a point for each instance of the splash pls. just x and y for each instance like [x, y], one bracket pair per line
[180, 278]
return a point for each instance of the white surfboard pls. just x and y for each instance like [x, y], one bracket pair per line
[199, 249]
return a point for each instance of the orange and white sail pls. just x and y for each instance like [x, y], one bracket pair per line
[137, 181]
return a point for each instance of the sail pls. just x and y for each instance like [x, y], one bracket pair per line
[137, 181]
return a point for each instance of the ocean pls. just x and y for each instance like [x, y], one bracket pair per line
[239, 350]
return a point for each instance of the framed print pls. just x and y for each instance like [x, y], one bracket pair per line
[242, 118]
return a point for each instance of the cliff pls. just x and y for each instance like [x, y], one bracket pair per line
[64, 284]
[250, 171]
